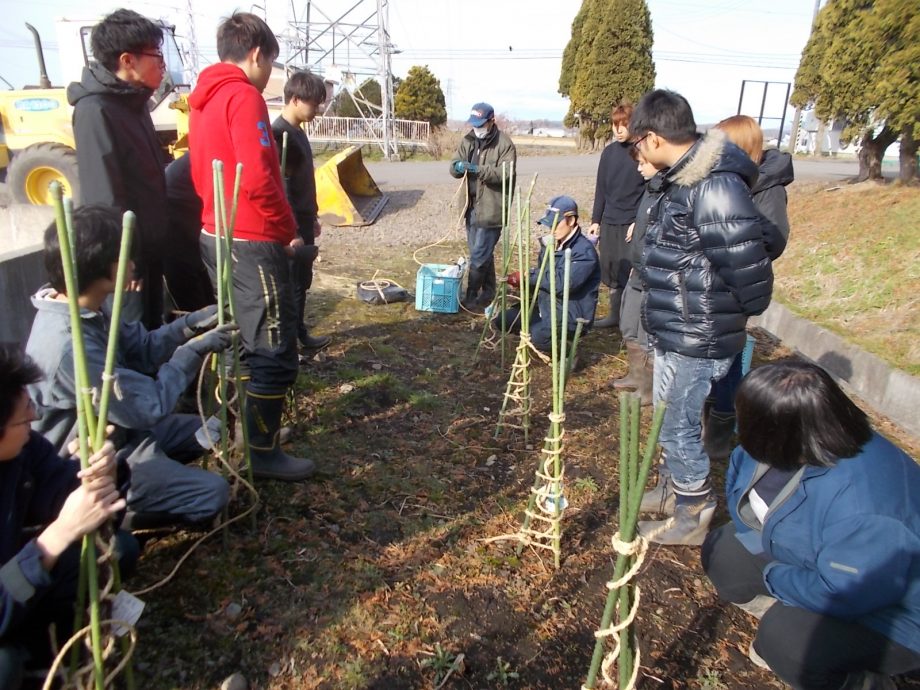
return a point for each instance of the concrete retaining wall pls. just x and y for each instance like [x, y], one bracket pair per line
[22, 270]
[890, 391]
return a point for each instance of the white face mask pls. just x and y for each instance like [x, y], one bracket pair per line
[480, 132]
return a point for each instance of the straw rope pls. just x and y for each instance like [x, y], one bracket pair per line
[636, 549]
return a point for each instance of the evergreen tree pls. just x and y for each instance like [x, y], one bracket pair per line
[571, 50]
[610, 60]
[420, 97]
[862, 65]
[344, 106]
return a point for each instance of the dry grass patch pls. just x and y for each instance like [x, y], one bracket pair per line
[853, 266]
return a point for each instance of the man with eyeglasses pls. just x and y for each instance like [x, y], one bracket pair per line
[119, 156]
[705, 271]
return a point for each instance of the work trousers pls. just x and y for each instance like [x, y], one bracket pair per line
[265, 310]
[162, 483]
[631, 311]
[807, 650]
[614, 255]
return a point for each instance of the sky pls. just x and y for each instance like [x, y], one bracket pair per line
[507, 53]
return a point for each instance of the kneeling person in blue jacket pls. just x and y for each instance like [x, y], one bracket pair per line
[152, 370]
[584, 277]
[824, 541]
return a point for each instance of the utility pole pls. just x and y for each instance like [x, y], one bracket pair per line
[192, 42]
[797, 117]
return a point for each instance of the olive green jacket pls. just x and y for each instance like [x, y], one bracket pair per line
[485, 186]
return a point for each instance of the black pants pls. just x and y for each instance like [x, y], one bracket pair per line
[302, 278]
[27, 644]
[614, 255]
[264, 295]
[807, 650]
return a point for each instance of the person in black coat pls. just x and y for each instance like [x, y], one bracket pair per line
[47, 504]
[616, 202]
[304, 95]
[119, 156]
[774, 174]
[705, 270]
[186, 277]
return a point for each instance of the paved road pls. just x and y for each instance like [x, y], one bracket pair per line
[408, 174]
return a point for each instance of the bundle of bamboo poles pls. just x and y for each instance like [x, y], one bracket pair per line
[624, 595]
[226, 304]
[91, 425]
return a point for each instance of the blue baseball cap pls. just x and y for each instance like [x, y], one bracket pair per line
[561, 206]
[480, 114]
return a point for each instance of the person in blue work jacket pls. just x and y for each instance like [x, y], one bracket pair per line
[824, 541]
[584, 276]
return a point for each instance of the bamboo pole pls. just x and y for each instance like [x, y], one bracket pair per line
[84, 405]
[284, 150]
[628, 523]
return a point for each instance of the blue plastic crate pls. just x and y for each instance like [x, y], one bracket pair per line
[435, 292]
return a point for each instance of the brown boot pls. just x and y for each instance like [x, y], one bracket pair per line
[646, 378]
[635, 357]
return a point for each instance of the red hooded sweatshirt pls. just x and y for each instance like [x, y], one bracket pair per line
[229, 122]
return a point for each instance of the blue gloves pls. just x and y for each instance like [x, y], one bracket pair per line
[461, 167]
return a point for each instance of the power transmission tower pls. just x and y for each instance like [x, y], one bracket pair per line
[343, 47]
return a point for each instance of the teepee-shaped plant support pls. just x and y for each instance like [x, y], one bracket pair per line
[624, 595]
[91, 426]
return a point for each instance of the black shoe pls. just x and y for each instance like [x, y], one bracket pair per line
[314, 343]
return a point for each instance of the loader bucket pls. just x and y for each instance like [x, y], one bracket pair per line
[345, 191]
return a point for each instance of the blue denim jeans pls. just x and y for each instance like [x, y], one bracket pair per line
[481, 242]
[683, 383]
[723, 391]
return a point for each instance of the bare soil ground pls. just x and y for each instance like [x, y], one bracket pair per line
[376, 574]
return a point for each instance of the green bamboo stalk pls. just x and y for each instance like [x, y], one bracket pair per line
[570, 362]
[81, 377]
[625, 661]
[627, 534]
[124, 258]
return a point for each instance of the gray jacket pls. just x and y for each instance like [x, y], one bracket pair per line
[151, 369]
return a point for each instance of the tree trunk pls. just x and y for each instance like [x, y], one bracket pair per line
[908, 157]
[871, 152]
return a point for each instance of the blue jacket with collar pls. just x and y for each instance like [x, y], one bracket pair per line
[584, 279]
[846, 541]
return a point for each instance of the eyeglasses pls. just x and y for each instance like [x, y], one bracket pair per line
[154, 54]
[635, 144]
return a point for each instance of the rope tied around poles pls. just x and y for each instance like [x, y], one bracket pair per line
[637, 548]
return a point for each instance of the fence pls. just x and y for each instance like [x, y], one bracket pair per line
[359, 131]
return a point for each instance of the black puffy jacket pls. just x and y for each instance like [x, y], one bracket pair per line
[705, 268]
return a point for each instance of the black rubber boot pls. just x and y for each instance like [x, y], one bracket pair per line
[488, 284]
[615, 297]
[474, 281]
[719, 435]
[312, 343]
[263, 417]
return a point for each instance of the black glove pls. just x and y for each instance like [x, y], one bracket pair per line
[305, 254]
[215, 340]
[200, 321]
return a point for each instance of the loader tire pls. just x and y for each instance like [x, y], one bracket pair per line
[35, 167]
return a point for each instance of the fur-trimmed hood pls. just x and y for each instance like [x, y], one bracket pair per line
[712, 153]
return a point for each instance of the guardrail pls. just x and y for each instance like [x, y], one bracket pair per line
[358, 130]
